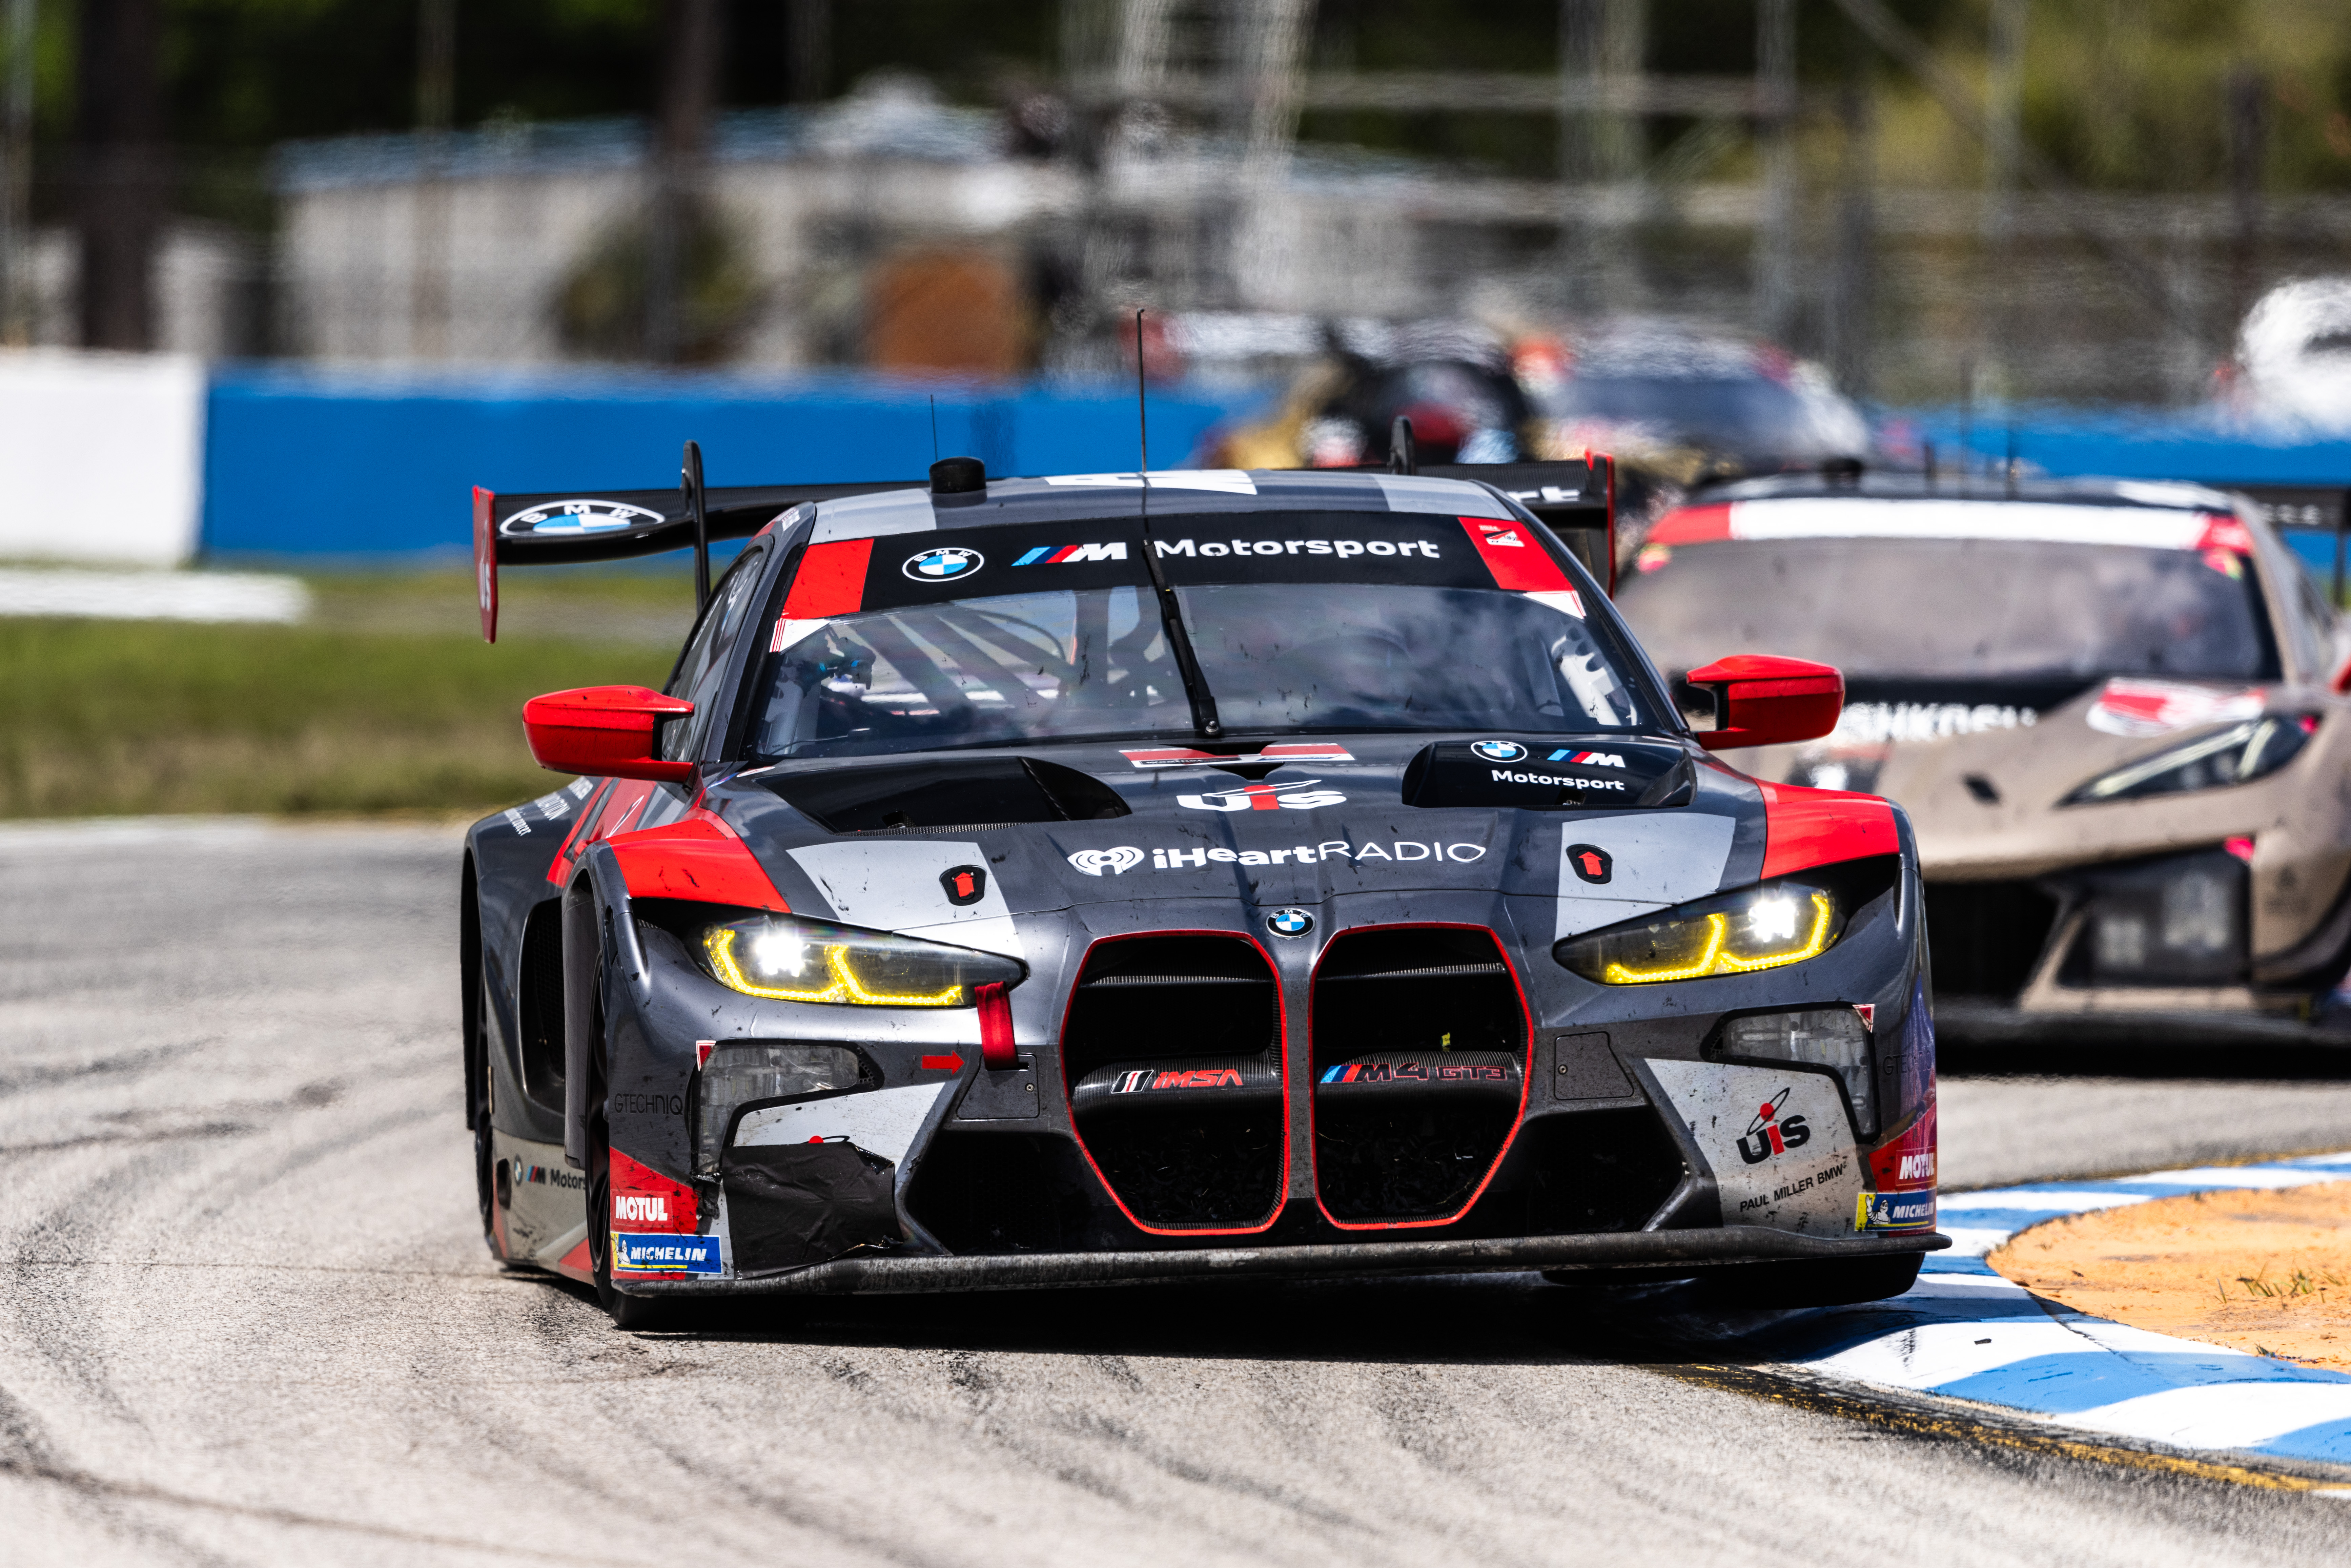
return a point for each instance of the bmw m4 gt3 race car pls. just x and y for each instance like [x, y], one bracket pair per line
[1127, 877]
[2114, 711]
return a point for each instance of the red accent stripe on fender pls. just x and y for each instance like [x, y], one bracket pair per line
[578, 1265]
[697, 859]
[1816, 827]
[1522, 565]
[830, 581]
[1691, 526]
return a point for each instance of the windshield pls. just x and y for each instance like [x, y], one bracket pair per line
[1755, 415]
[1339, 641]
[1977, 609]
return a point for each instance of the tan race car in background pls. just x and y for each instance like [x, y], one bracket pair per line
[2114, 711]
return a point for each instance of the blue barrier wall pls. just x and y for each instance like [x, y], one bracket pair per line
[2125, 446]
[322, 462]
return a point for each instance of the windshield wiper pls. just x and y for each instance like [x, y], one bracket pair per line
[1204, 722]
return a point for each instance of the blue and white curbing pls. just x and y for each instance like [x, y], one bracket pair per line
[1965, 1333]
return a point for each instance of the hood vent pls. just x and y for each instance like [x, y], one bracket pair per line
[960, 793]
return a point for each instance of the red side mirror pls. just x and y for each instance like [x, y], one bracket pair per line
[1766, 701]
[607, 731]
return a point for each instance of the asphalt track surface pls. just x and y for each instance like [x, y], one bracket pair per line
[248, 1317]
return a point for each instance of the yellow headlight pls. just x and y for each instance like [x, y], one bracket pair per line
[786, 959]
[1762, 928]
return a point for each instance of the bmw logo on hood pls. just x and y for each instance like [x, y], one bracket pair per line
[944, 564]
[1499, 750]
[1290, 922]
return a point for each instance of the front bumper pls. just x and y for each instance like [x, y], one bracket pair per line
[1647, 1249]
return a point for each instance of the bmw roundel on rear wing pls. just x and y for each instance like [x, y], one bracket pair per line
[558, 527]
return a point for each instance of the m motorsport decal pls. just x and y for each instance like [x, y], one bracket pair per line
[1586, 759]
[1771, 1134]
[1565, 780]
[549, 1176]
[1591, 862]
[1047, 555]
[944, 563]
[1342, 549]
[1296, 797]
[965, 884]
[1125, 858]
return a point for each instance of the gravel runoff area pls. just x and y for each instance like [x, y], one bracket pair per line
[2268, 1272]
[248, 1318]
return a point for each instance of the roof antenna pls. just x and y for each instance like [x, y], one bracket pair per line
[1967, 419]
[1404, 458]
[935, 427]
[1142, 417]
[691, 478]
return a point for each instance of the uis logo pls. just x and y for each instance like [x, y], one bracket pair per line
[1771, 1134]
[1093, 862]
[643, 1208]
[946, 564]
[1299, 796]
[1290, 922]
[1071, 555]
[1591, 862]
[1497, 750]
[1586, 759]
[965, 884]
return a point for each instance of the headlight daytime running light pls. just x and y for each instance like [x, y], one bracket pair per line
[1766, 926]
[789, 960]
[2214, 760]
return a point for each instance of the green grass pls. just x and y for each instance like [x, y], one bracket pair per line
[387, 701]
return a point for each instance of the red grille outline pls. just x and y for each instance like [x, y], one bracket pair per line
[1281, 1040]
[1526, 1078]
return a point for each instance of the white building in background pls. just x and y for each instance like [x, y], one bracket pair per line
[377, 262]
[207, 290]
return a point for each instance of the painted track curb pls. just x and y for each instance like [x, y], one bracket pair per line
[1965, 1333]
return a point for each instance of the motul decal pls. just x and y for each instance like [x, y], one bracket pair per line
[644, 1199]
[1909, 1162]
[639, 1208]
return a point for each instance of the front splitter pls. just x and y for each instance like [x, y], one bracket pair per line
[884, 1275]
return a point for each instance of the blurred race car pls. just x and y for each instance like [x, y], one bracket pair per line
[1674, 402]
[1114, 877]
[2114, 711]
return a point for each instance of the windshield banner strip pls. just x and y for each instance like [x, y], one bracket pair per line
[831, 581]
[1800, 518]
[1519, 563]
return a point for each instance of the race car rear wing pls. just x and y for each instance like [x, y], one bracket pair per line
[2304, 509]
[560, 527]
[1576, 500]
